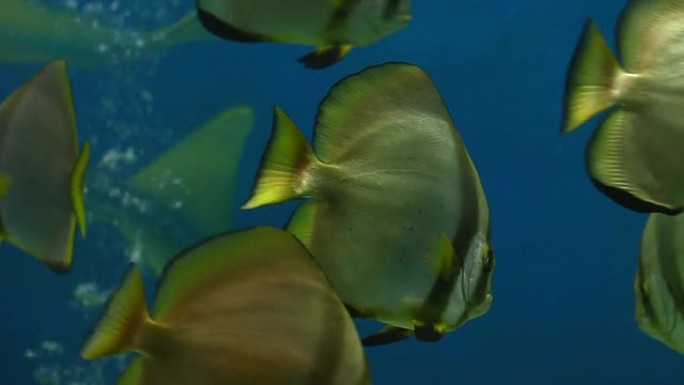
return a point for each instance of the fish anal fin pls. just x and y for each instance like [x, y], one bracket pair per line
[387, 335]
[325, 56]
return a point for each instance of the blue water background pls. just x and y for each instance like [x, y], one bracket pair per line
[563, 310]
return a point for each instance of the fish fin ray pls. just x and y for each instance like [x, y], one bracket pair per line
[610, 165]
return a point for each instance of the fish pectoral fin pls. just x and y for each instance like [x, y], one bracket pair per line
[125, 315]
[325, 56]
[591, 79]
[387, 335]
[444, 257]
[76, 187]
[5, 182]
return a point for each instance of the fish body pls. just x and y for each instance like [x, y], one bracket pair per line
[333, 26]
[185, 195]
[396, 215]
[659, 285]
[35, 32]
[43, 168]
[244, 308]
[635, 154]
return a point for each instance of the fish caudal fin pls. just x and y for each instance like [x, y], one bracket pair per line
[188, 29]
[285, 162]
[125, 314]
[590, 86]
[325, 56]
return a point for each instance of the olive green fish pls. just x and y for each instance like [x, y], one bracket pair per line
[659, 285]
[180, 198]
[42, 169]
[635, 156]
[249, 307]
[333, 26]
[396, 214]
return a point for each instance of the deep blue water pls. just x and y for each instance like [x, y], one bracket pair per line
[563, 310]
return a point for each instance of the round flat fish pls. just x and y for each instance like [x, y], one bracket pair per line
[249, 307]
[635, 155]
[333, 26]
[397, 217]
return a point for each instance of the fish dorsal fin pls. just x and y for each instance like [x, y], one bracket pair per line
[378, 99]
[197, 176]
[638, 30]
[226, 256]
[38, 150]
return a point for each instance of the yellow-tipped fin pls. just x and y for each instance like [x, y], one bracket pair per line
[445, 258]
[590, 86]
[123, 318]
[77, 180]
[286, 160]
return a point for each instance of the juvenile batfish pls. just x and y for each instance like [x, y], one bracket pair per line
[659, 285]
[333, 26]
[250, 307]
[635, 157]
[397, 217]
[42, 168]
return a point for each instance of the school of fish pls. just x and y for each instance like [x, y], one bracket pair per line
[389, 195]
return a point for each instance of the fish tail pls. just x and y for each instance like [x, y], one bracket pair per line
[187, 29]
[124, 317]
[285, 164]
[590, 86]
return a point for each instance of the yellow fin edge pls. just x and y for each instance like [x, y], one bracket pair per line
[77, 184]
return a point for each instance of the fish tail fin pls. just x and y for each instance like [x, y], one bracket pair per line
[76, 186]
[286, 161]
[124, 317]
[187, 29]
[590, 86]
